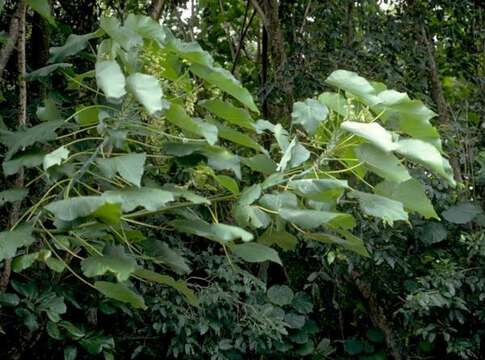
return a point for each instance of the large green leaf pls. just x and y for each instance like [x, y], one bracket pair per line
[48, 112]
[309, 114]
[55, 157]
[335, 102]
[294, 155]
[23, 262]
[237, 137]
[379, 206]
[351, 242]
[256, 252]
[74, 44]
[11, 241]
[282, 239]
[462, 213]
[181, 192]
[229, 112]
[178, 285]
[280, 295]
[130, 167]
[150, 198]
[221, 233]
[225, 81]
[191, 52]
[29, 158]
[21, 139]
[427, 155]
[319, 189]
[46, 71]
[146, 27]
[411, 193]
[372, 132]
[354, 84]
[309, 219]
[123, 35]
[228, 183]
[114, 260]
[163, 254]
[384, 164]
[110, 79]
[249, 215]
[12, 195]
[43, 8]
[121, 293]
[176, 115]
[261, 163]
[413, 116]
[147, 90]
[278, 201]
[78, 207]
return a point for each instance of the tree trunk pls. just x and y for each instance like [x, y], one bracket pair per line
[21, 121]
[378, 317]
[437, 95]
[13, 34]
[268, 11]
[157, 8]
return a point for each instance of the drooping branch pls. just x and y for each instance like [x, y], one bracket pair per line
[13, 34]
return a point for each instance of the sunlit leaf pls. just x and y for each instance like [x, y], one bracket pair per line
[225, 81]
[114, 260]
[379, 206]
[74, 44]
[384, 164]
[55, 157]
[372, 132]
[410, 193]
[130, 167]
[309, 114]
[229, 112]
[150, 198]
[147, 90]
[110, 79]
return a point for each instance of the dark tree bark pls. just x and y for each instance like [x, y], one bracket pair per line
[157, 8]
[13, 34]
[437, 94]
[268, 11]
[21, 121]
[378, 317]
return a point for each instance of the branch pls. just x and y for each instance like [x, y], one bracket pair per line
[244, 30]
[157, 8]
[260, 12]
[13, 33]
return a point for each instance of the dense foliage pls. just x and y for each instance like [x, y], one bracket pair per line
[154, 209]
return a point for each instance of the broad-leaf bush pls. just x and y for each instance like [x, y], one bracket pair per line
[169, 142]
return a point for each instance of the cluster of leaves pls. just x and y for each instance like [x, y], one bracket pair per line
[172, 147]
